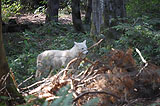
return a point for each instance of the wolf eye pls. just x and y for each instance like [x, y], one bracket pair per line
[82, 48]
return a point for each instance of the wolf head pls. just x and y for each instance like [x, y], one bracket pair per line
[81, 47]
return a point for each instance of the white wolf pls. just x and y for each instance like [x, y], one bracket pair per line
[54, 59]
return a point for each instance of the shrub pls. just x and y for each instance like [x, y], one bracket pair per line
[10, 8]
[141, 33]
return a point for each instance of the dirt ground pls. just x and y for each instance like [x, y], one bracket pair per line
[39, 18]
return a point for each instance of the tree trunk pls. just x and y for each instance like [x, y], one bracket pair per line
[52, 10]
[113, 10]
[7, 87]
[105, 15]
[76, 16]
[97, 20]
[88, 12]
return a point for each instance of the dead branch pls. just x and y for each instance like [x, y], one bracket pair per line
[71, 62]
[92, 77]
[13, 78]
[39, 82]
[67, 67]
[96, 44]
[4, 80]
[89, 68]
[143, 60]
[95, 92]
[25, 80]
[135, 21]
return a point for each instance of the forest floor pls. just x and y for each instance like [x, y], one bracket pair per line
[23, 47]
[39, 18]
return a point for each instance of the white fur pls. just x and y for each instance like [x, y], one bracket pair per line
[54, 59]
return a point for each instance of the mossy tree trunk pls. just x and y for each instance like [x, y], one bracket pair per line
[52, 10]
[105, 15]
[97, 20]
[114, 12]
[7, 87]
[88, 12]
[76, 16]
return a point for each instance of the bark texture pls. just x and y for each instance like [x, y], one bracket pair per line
[52, 10]
[105, 15]
[76, 16]
[7, 87]
[88, 12]
[113, 11]
[97, 14]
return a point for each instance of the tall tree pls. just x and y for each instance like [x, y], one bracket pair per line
[7, 87]
[52, 10]
[88, 12]
[113, 11]
[97, 20]
[76, 16]
[105, 15]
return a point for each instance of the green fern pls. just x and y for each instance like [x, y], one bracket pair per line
[65, 98]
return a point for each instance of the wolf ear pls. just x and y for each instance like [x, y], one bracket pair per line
[84, 41]
[75, 43]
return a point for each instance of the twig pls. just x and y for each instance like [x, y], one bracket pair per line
[13, 78]
[96, 44]
[2, 78]
[96, 92]
[71, 62]
[89, 61]
[79, 74]
[89, 74]
[34, 84]
[135, 21]
[5, 78]
[85, 73]
[25, 80]
[67, 67]
[2, 88]
[92, 77]
[143, 60]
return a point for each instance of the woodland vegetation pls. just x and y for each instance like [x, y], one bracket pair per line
[122, 67]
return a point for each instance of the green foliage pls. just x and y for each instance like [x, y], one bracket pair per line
[65, 98]
[23, 48]
[141, 33]
[3, 99]
[22, 60]
[10, 9]
[155, 104]
[2, 104]
[143, 7]
[32, 100]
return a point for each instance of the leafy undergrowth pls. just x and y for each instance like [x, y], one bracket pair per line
[22, 48]
[142, 33]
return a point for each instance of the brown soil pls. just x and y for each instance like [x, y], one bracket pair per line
[39, 18]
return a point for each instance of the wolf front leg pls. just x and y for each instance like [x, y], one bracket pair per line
[38, 74]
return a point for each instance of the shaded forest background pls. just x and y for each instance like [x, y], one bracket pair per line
[122, 24]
